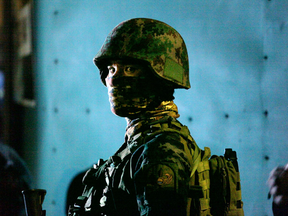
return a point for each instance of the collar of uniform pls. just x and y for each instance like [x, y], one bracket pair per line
[138, 128]
[136, 134]
[166, 108]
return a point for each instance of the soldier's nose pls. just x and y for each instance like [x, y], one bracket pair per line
[115, 80]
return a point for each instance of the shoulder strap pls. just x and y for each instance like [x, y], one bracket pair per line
[204, 181]
[199, 186]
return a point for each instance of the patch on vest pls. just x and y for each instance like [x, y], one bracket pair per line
[165, 179]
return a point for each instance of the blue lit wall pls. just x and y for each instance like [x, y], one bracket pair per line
[239, 74]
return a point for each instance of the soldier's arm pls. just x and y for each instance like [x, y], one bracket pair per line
[162, 175]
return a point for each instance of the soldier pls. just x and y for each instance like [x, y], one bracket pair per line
[141, 62]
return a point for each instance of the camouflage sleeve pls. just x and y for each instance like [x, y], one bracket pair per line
[161, 174]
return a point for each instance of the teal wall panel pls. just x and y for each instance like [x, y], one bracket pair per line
[238, 60]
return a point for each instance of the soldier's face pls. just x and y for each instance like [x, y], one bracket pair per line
[126, 85]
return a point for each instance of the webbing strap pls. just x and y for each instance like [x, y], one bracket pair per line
[203, 166]
[205, 184]
[238, 195]
[238, 176]
[204, 203]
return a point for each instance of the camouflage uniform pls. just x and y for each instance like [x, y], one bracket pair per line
[150, 173]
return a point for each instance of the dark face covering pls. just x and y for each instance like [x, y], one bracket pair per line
[131, 88]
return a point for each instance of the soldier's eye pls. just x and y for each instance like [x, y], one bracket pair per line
[130, 69]
[111, 69]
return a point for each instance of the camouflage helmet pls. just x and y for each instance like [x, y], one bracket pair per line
[152, 41]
